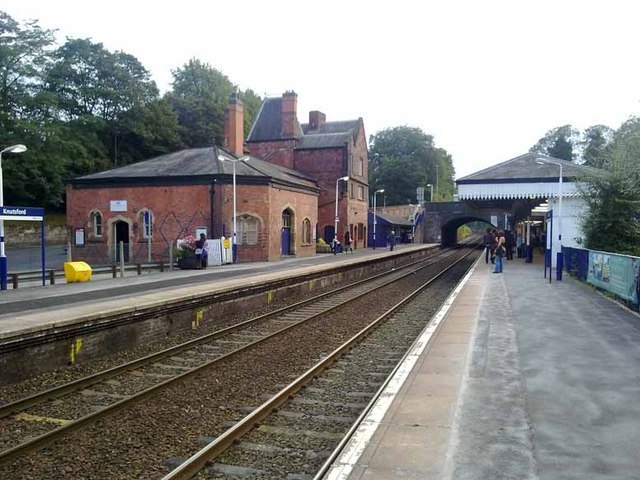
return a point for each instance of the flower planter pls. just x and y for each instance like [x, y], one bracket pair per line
[190, 262]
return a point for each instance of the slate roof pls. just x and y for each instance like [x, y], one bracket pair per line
[268, 123]
[199, 165]
[334, 127]
[393, 220]
[328, 140]
[526, 169]
[268, 127]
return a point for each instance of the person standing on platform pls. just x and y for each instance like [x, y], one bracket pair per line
[201, 252]
[500, 251]
[519, 245]
[392, 240]
[347, 242]
[509, 244]
[487, 240]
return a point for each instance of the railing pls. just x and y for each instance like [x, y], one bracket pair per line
[16, 278]
[611, 272]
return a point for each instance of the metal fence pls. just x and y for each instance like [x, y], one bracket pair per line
[576, 261]
[614, 273]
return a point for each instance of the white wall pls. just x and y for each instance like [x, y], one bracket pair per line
[572, 209]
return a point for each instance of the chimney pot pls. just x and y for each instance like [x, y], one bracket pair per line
[316, 119]
[289, 114]
[234, 125]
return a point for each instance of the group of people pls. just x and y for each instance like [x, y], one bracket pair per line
[498, 244]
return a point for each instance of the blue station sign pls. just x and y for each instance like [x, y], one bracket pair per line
[22, 213]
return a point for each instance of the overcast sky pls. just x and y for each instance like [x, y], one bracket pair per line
[486, 78]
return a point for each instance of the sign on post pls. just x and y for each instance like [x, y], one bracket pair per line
[27, 214]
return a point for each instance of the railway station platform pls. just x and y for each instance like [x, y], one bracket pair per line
[515, 378]
[42, 327]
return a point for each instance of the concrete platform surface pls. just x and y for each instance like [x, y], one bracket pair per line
[38, 308]
[522, 379]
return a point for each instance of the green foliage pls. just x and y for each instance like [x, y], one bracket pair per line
[560, 142]
[87, 79]
[200, 95]
[81, 108]
[404, 158]
[613, 198]
[596, 140]
[23, 57]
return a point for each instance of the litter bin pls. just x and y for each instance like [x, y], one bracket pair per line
[77, 272]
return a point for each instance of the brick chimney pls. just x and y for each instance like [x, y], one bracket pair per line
[316, 119]
[289, 114]
[234, 125]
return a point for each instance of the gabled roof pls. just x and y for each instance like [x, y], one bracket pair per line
[350, 126]
[199, 165]
[394, 220]
[329, 140]
[268, 123]
[526, 168]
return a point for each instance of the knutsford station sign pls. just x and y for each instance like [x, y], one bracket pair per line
[22, 213]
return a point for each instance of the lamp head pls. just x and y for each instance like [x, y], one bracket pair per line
[19, 148]
[380, 191]
[429, 185]
[344, 178]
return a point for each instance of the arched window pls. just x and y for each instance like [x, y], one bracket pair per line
[147, 223]
[306, 231]
[96, 221]
[248, 229]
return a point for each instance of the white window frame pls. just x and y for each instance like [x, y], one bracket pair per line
[147, 229]
[248, 237]
[96, 227]
[306, 231]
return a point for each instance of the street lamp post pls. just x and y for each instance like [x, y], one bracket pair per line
[233, 161]
[542, 161]
[335, 225]
[430, 191]
[3, 257]
[375, 219]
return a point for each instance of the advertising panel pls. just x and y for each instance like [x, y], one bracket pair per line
[615, 273]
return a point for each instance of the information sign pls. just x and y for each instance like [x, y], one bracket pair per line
[22, 213]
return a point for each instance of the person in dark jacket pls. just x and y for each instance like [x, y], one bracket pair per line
[487, 240]
[509, 243]
[392, 240]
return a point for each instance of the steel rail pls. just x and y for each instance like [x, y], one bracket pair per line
[197, 462]
[41, 397]
[52, 435]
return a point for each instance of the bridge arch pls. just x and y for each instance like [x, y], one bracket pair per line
[449, 230]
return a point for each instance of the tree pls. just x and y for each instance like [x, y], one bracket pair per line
[560, 142]
[596, 140]
[613, 197]
[252, 103]
[404, 158]
[147, 131]
[199, 97]
[23, 57]
[90, 80]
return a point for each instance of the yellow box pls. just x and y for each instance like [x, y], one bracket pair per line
[77, 272]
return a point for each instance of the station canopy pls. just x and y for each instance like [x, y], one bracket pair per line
[526, 177]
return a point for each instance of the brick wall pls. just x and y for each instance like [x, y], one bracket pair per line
[177, 211]
[279, 152]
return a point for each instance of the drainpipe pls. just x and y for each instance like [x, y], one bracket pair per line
[211, 202]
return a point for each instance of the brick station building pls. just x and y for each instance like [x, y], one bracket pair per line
[188, 190]
[323, 150]
[286, 190]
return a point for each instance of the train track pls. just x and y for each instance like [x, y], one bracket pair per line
[293, 433]
[77, 404]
